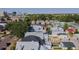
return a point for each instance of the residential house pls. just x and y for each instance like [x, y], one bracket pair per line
[1, 14]
[30, 42]
[54, 39]
[2, 26]
[63, 37]
[14, 18]
[57, 30]
[37, 28]
[33, 41]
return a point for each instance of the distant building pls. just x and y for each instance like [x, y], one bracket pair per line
[32, 22]
[3, 24]
[14, 18]
[1, 28]
[1, 14]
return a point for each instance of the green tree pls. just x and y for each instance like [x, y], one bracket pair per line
[48, 30]
[42, 17]
[14, 13]
[17, 28]
[65, 26]
[76, 18]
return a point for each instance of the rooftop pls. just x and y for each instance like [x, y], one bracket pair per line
[33, 38]
[68, 44]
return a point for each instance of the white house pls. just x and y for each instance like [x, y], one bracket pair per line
[3, 24]
[34, 41]
[27, 45]
[37, 28]
[57, 30]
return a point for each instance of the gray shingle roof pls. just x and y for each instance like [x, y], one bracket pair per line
[33, 38]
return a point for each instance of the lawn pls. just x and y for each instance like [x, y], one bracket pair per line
[56, 47]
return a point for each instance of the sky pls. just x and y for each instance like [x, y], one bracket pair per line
[41, 10]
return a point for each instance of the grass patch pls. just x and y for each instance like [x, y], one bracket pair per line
[58, 48]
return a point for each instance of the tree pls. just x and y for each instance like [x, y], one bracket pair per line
[48, 30]
[76, 18]
[14, 13]
[66, 17]
[34, 17]
[42, 17]
[65, 26]
[50, 16]
[27, 20]
[17, 28]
